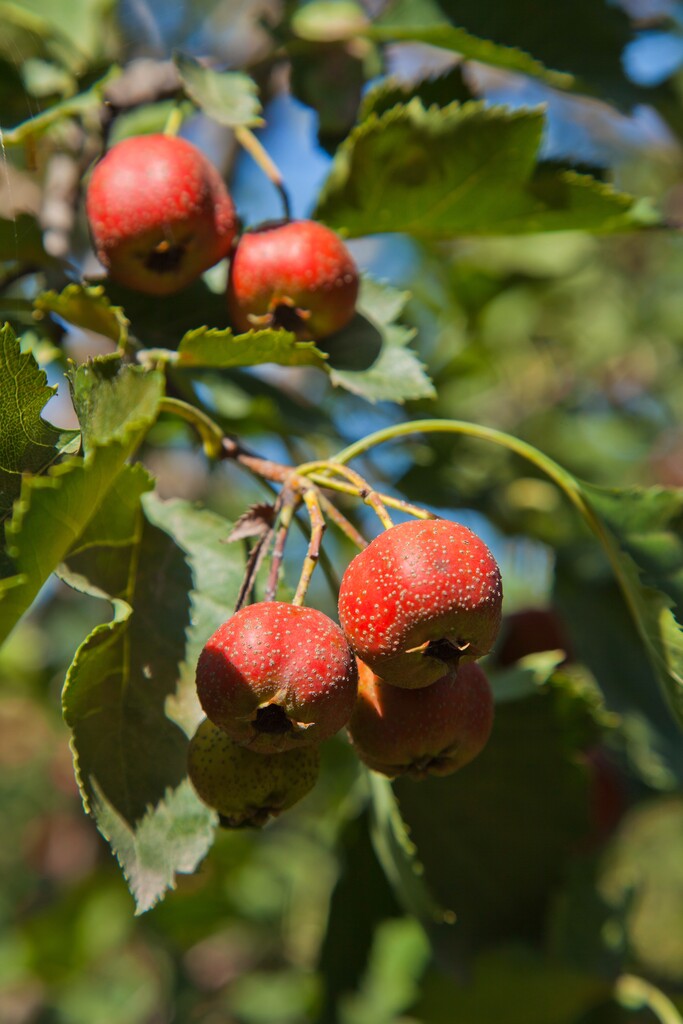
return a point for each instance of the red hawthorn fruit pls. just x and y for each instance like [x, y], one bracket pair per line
[431, 731]
[159, 213]
[607, 796]
[421, 597]
[298, 275]
[530, 631]
[246, 788]
[276, 676]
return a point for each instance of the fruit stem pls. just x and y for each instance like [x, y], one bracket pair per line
[634, 993]
[564, 480]
[209, 432]
[254, 562]
[174, 120]
[290, 500]
[340, 520]
[363, 489]
[259, 154]
[396, 503]
[318, 524]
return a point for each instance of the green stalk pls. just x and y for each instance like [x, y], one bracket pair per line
[564, 480]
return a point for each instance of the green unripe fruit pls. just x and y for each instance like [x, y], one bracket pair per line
[244, 787]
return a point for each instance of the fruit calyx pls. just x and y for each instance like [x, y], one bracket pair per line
[166, 257]
[447, 651]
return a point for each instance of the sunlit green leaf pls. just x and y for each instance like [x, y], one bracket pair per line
[229, 97]
[208, 347]
[371, 356]
[217, 569]
[75, 106]
[88, 308]
[28, 444]
[173, 836]
[462, 170]
[116, 405]
[172, 580]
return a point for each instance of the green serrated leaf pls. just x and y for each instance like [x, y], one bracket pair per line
[217, 570]
[370, 356]
[448, 37]
[172, 837]
[644, 533]
[86, 307]
[172, 579]
[228, 97]
[398, 854]
[111, 399]
[74, 106]
[116, 688]
[220, 349]
[585, 38]
[438, 91]
[28, 444]
[462, 170]
[117, 404]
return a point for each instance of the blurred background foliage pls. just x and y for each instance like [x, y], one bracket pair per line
[561, 849]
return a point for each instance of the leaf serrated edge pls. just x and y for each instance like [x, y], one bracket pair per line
[226, 335]
[128, 858]
[42, 303]
[530, 66]
[438, 120]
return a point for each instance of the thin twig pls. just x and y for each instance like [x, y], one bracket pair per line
[290, 501]
[363, 488]
[254, 563]
[318, 525]
[340, 520]
[256, 151]
[399, 504]
[264, 468]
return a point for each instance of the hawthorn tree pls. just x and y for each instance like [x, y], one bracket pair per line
[504, 177]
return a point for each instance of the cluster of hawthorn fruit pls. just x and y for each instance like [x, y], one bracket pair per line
[418, 606]
[160, 215]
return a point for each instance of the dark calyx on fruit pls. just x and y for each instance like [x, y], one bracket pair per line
[273, 719]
